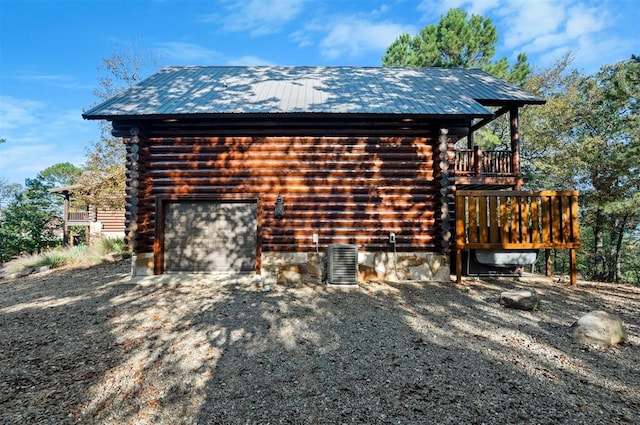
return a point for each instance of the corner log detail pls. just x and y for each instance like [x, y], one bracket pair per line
[517, 220]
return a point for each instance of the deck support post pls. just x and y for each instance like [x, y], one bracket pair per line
[458, 266]
[515, 145]
[548, 270]
[572, 268]
[477, 161]
[133, 175]
[65, 227]
[445, 182]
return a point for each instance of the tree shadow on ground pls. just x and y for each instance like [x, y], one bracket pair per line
[94, 347]
[55, 340]
[408, 353]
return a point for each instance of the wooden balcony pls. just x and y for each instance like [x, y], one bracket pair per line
[517, 220]
[78, 218]
[490, 169]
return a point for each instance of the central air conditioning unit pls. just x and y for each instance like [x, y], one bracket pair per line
[342, 265]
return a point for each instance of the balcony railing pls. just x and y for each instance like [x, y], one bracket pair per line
[78, 216]
[479, 163]
[517, 220]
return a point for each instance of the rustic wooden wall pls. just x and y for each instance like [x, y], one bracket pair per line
[346, 189]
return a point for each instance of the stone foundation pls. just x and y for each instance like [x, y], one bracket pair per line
[300, 267]
[142, 264]
[296, 267]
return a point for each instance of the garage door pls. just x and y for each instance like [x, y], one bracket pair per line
[210, 236]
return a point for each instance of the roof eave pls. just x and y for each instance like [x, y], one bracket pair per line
[292, 115]
[516, 103]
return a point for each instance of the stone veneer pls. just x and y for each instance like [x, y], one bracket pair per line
[142, 264]
[296, 267]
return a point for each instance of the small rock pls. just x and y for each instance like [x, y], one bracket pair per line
[21, 273]
[521, 299]
[421, 272]
[113, 256]
[599, 328]
[289, 276]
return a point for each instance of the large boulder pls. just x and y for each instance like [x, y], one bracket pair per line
[521, 299]
[599, 328]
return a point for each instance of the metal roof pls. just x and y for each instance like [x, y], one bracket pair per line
[343, 90]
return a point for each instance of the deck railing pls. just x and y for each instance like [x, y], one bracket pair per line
[479, 163]
[74, 216]
[517, 220]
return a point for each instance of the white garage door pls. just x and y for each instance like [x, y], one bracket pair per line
[204, 236]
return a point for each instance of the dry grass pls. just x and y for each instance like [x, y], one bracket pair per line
[81, 255]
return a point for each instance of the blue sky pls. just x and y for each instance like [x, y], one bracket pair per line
[50, 50]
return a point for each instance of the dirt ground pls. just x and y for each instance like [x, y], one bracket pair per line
[94, 346]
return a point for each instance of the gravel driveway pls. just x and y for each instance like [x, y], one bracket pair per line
[92, 346]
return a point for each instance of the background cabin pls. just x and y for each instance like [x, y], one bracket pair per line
[99, 222]
[264, 168]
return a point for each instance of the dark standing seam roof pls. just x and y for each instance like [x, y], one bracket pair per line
[274, 89]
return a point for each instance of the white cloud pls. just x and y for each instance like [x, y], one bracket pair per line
[39, 136]
[551, 29]
[257, 17]
[433, 9]
[523, 22]
[248, 61]
[545, 29]
[187, 53]
[353, 37]
[17, 113]
[591, 52]
[179, 53]
[350, 35]
[584, 20]
[62, 81]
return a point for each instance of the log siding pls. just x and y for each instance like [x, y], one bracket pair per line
[112, 220]
[346, 189]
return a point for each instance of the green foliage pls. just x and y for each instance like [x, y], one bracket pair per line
[60, 175]
[630, 261]
[608, 135]
[29, 217]
[78, 234]
[587, 136]
[461, 41]
[547, 132]
[456, 41]
[55, 258]
[28, 222]
[110, 245]
[453, 42]
[104, 177]
[516, 74]
[8, 193]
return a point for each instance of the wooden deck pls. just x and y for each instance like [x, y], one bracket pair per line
[517, 220]
[78, 218]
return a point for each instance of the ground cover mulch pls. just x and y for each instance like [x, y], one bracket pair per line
[91, 345]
